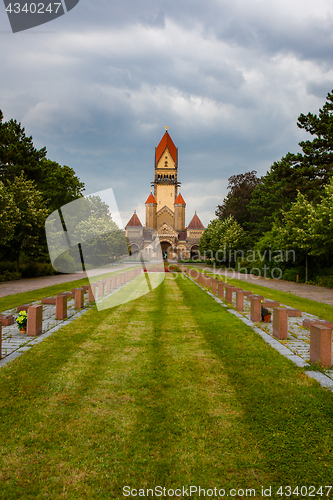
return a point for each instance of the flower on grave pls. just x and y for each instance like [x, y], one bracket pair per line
[22, 319]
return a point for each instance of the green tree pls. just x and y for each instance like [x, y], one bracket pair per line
[9, 214]
[320, 222]
[307, 172]
[32, 212]
[101, 240]
[58, 184]
[297, 231]
[221, 239]
[17, 152]
[236, 203]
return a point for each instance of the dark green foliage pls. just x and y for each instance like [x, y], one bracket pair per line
[17, 152]
[307, 172]
[31, 188]
[59, 185]
[237, 201]
[66, 263]
[291, 207]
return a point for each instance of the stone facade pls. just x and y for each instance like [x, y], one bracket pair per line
[165, 211]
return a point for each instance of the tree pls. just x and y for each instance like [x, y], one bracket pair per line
[307, 172]
[221, 239]
[9, 214]
[297, 233]
[101, 240]
[319, 151]
[320, 221]
[91, 235]
[31, 216]
[237, 201]
[58, 185]
[17, 152]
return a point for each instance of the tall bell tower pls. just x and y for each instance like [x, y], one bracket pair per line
[166, 168]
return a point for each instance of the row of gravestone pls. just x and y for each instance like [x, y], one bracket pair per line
[35, 311]
[320, 330]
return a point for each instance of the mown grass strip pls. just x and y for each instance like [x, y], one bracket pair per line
[289, 414]
[170, 390]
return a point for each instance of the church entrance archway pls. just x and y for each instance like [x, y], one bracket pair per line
[134, 248]
[195, 252]
[165, 247]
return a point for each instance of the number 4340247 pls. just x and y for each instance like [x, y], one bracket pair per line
[33, 8]
[304, 491]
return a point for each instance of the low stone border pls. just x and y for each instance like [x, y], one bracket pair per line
[36, 340]
[21, 343]
[323, 380]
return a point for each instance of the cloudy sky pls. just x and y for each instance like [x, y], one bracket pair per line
[98, 85]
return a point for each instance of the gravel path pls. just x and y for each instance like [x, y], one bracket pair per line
[25, 285]
[313, 292]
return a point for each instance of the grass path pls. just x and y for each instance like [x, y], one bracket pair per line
[167, 390]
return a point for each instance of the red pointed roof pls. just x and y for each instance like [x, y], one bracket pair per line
[134, 221]
[151, 199]
[166, 141]
[180, 200]
[195, 223]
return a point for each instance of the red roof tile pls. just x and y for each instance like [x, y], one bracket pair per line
[180, 200]
[195, 223]
[166, 141]
[151, 199]
[134, 221]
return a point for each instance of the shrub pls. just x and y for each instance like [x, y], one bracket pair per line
[65, 263]
[324, 281]
[9, 276]
[291, 274]
[36, 269]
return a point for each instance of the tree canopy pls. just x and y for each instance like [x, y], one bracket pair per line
[57, 184]
[221, 238]
[307, 172]
[237, 201]
[26, 227]
[31, 187]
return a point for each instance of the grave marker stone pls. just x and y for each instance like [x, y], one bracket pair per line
[321, 345]
[35, 320]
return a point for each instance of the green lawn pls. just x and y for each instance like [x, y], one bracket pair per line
[168, 390]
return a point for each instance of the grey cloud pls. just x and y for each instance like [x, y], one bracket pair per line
[229, 83]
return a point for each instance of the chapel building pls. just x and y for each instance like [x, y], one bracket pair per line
[165, 211]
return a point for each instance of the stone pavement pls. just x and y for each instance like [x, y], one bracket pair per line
[313, 292]
[26, 285]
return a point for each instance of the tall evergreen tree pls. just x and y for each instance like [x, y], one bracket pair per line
[57, 184]
[307, 172]
[237, 201]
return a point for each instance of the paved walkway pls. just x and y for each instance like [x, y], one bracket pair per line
[25, 285]
[313, 292]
